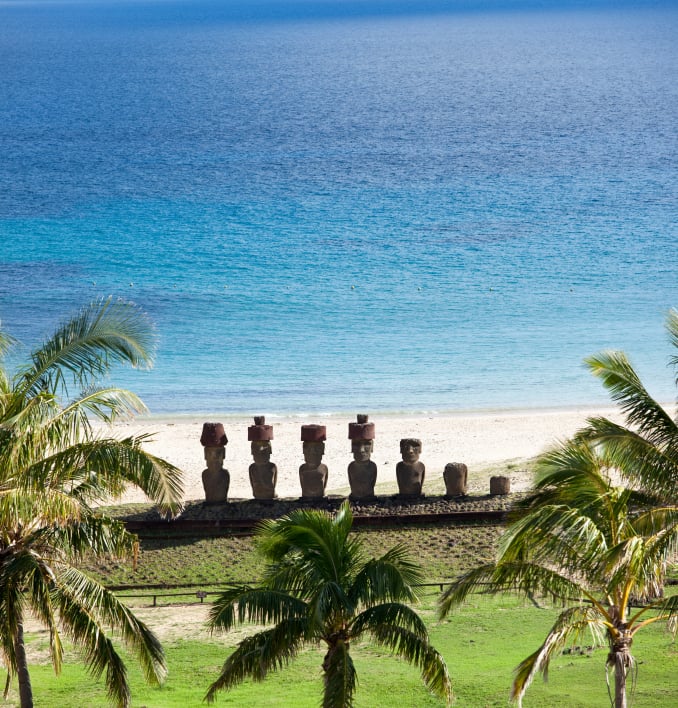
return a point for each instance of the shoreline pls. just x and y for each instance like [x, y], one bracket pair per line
[173, 417]
[498, 442]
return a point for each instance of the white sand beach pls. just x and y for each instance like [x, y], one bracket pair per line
[498, 440]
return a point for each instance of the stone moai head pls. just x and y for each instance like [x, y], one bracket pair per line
[361, 435]
[410, 449]
[260, 435]
[362, 450]
[261, 451]
[214, 440]
[214, 457]
[313, 438]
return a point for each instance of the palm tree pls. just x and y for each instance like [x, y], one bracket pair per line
[645, 449]
[600, 550]
[318, 588]
[54, 469]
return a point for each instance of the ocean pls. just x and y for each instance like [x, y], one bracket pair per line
[338, 207]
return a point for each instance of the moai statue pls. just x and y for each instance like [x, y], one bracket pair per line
[410, 472]
[362, 472]
[500, 486]
[456, 478]
[313, 474]
[215, 479]
[263, 473]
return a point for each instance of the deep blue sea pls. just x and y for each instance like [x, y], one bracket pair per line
[335, 206]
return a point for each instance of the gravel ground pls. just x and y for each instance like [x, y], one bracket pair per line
[379, 506]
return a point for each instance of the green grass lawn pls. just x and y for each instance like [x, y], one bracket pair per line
[482, 642]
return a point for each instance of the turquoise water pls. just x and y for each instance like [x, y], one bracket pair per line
[330, 207]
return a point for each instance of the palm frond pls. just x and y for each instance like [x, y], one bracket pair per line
[260, 605]
[6, 343]
[106, 404]
[92, 534]
[524, 577]
[307, 549]
[39, 584]
[554, 531]
[658, 531]
[391, 577]
[569, 625]
[672, 328]
[98, 469]
[259, 654]
[85, 347]
[650, 462]
[41, 425]
[26, 580]
[388, 614]
[416, 650]
[22, 508]
[570, 472]
[343, 520]
[329, 600]
[475, 580]
[310, 533]
[126, 459]
[23, 436]
[15, 570]
[662, 609]
[626, 389]
[82, 601]
[630, 569]
[655, 520]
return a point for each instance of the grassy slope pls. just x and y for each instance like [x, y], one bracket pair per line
[443, 552]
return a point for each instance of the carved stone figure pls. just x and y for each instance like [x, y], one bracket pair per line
[500, 485]
[215, 479]
[456, 477]
[410, 472]
[263, 473]
[313, 474]
[362, 472]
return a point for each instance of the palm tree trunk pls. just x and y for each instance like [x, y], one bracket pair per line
[25, 689]
[619, 687]
[622, 660]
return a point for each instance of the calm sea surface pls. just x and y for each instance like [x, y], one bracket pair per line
[338, 207]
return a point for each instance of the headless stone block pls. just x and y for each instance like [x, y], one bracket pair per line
[500, 485]
[456, 478]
